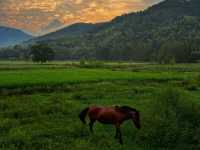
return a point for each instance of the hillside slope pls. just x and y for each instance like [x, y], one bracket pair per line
[72, 30]
[11, 36]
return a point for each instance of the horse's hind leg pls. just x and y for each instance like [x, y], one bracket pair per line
[116, 134]
[91, 125]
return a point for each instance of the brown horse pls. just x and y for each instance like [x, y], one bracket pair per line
[111, 115]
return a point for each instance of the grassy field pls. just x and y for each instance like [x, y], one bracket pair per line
[40, 103]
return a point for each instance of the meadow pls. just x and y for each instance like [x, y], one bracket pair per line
[40, 103]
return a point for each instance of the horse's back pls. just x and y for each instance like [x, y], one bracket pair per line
[107, 115]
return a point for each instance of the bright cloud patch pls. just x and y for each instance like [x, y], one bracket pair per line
[35, 15]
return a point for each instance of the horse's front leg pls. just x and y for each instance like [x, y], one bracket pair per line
[91, 125]
[120, 137]
[118, 132]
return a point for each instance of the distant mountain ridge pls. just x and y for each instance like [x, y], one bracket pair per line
[10, 36]
[71, 30]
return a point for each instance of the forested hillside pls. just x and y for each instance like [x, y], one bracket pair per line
[168, 31]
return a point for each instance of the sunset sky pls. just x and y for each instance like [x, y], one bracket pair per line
[42, 16]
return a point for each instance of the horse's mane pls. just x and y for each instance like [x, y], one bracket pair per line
[127, 109]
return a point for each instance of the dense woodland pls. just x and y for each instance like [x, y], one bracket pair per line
[166, 32]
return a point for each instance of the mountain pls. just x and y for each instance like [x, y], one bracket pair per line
[72, 30]
[11, 36]
[167, 31]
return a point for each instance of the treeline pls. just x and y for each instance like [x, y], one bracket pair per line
[37, 53]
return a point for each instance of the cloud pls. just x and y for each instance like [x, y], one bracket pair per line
[54, 24]
[35, 15]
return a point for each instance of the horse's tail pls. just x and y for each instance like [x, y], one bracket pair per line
[83, 114]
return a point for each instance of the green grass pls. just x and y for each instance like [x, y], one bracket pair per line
[47, 118]
[59, 76]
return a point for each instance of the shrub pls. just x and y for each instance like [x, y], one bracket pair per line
[82, 62]
[92, 64]
[198, 79]
[192, 84]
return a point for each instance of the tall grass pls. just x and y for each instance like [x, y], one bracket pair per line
[173, 121]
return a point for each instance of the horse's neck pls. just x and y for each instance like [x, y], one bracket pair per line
[126, 115]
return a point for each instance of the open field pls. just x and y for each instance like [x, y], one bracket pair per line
[40, 103]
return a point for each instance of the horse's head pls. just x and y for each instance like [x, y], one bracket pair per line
[133, 114]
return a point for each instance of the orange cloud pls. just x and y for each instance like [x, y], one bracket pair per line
[35, 15]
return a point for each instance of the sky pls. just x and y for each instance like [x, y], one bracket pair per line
[43, 16]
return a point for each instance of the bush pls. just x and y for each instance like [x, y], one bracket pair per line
[91, 64]
[192, 84]
[96, 64]
[82, 62]
[198, 79]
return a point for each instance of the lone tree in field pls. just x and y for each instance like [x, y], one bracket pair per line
[41, 53]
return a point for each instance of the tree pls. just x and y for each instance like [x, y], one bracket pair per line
[41, 53]
[195, 57]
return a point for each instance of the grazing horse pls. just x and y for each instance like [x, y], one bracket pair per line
[115, 115]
